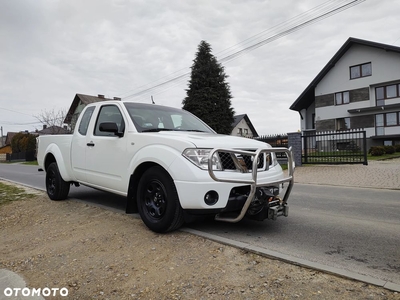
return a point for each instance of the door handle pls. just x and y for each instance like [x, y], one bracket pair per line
[91, 144]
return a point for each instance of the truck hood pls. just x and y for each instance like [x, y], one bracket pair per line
[209, 140]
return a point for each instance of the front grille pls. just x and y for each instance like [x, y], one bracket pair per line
[228, 164]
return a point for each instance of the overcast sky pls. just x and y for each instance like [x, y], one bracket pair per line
[52, 49]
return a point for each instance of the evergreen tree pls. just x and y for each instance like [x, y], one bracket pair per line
[208, 94]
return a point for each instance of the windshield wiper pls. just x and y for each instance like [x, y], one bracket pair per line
[156, 130]
[194, 130]
[168, 129]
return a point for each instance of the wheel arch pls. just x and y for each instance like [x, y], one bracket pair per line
[131, 206]
[48, 160]
[54, 155]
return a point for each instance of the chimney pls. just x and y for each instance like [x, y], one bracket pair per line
[44, 126]
[117, 98]
[100, 96]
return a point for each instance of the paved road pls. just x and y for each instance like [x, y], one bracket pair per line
[355, 229]
[30, 176]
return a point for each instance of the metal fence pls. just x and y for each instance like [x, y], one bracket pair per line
[277, 140]
[22, 156]
[336, 147]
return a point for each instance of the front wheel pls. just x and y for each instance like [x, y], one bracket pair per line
[158, 201]
[57, 188]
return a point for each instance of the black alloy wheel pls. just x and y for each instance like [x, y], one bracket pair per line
[158, 201]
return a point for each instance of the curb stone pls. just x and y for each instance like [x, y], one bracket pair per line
[296, 261]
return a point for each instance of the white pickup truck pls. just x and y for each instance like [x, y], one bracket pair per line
[169, 164]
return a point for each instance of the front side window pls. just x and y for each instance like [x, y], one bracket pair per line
[109, 114]
[362, 70]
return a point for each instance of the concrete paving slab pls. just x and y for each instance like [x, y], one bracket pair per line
[377, 174]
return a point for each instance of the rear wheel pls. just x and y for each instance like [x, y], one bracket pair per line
[158, 201]
[57, 188]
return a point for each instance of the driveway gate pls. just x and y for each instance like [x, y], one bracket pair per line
[338, 147]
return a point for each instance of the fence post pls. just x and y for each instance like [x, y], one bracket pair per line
[294, 141]
[365, 163]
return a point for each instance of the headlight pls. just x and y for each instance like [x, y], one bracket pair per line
[199, 157]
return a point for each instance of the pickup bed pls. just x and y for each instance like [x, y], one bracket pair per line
[169, 164]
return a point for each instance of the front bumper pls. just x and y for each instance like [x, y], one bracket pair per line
[238, 191]
[274, 206]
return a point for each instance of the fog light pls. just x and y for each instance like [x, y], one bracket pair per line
[211, 197]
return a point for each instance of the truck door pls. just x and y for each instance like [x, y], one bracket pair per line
[106, 158]
[78, 148]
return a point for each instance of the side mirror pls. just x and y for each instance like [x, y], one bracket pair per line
[111, 127]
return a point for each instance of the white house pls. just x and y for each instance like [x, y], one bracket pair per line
[358, 88]
[242, 126]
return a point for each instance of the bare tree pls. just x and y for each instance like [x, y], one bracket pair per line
[53, 121]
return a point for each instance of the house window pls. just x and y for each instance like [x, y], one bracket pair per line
[391, 119]
[388, 143]
[379, 124]
[362, 70]
[391, 91]
[343, 124]
[386, 120]
[313, 121]
[240, 131]
[342, 98]
[386, 92]
[246, 131]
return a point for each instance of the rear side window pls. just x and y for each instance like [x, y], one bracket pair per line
[83, 126]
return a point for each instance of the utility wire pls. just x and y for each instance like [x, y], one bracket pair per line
[307, 18]
[288, 31]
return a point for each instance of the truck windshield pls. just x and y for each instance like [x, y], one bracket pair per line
[155, 118]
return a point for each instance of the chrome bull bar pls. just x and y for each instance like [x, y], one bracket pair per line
[253, 181]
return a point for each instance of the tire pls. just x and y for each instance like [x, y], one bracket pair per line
[158, 201]
[56, 187]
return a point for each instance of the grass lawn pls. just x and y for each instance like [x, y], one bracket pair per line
[320, 159]
[30, 163]
[384, 157]
[10, 193]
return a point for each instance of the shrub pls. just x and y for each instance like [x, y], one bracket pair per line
[397, 148]
[377, 151]
[389, 149]
[22, 142]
